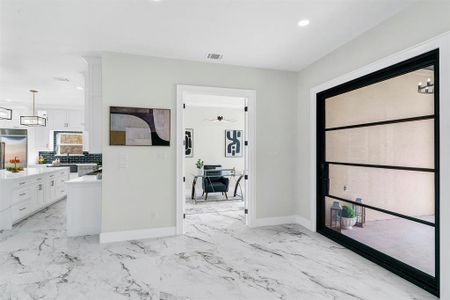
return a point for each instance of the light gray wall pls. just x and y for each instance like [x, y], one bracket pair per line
[139, 185]
[209, 140]
[408, 28]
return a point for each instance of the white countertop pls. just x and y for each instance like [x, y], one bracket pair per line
[78, 164]
[27, 172]
[85, 179]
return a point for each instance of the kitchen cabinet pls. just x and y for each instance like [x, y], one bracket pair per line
[65, 120]
[28, 192]
[51, 190]
[84, 206]
[57, 120]
[40, 195]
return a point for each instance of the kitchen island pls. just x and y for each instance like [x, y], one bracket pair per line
[24, 193]
[84, 206]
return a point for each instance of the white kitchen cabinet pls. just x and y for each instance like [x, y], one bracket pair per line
[75, 119]
[27, 192]
[42, 138]
[84, 206]
[57, 120]
[40, 194]
[65, 120]
[51, 190]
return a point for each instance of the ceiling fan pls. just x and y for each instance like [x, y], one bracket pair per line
[221, 119]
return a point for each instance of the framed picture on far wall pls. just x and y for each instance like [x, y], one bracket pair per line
[189, 142]
[233, 143]
[132, 126]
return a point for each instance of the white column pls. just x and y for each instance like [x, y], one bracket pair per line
[93, 103]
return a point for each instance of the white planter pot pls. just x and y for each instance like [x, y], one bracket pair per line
[200, 171]
[348, 223]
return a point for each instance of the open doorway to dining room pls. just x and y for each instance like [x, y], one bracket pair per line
[214, 156]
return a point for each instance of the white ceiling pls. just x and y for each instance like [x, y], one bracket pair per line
[43, 39]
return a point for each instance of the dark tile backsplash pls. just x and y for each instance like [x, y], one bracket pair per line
[50, 156]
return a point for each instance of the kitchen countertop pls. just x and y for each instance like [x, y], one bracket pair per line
[85, 179]
[78, 164]
[27, 172]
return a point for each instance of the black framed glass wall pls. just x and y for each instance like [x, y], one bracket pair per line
[378, 167]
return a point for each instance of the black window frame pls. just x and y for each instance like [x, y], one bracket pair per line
[416, 276]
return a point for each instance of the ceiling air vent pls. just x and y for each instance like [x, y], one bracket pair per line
[63, 79]
[214, 56]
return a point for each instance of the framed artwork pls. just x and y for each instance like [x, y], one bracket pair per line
[233, 143]
[189, 142]
[131, 126]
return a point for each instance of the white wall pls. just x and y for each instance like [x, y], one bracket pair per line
[139, 187]
[209, 138]
[408, 28]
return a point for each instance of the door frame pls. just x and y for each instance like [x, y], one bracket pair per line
[250, 148]
[441, 42]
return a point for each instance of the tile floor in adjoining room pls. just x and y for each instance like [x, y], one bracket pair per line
[215, 203]
[218, 258]
[410, 242]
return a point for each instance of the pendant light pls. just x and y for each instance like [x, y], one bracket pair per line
[5, 114]
[427, 88]
[33, 120]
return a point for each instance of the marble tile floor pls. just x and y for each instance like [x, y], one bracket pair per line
[215, 204]
[217, 258]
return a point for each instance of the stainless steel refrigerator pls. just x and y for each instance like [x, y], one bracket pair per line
[13, 144]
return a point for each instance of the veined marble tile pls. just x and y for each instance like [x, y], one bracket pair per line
[218, 258]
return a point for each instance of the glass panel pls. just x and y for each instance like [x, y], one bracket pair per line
[395, 98]
[405, 192]
[401, 144]
[404, 240]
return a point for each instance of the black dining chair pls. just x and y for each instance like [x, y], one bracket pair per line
[214, 182]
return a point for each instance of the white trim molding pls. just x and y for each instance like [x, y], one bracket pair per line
[441, 42]
[139, 234]
[250, 157]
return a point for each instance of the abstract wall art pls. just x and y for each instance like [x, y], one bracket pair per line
[131, 126]
[233, 143]
[189, 142]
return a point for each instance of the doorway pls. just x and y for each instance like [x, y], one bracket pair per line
[378, 167]
[226, 158]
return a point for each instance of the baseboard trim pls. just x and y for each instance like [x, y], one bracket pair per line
[140, 234]
[304, 222]
[294, 219]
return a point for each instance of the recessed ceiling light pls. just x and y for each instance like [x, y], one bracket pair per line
[303, 23]
[80, 88]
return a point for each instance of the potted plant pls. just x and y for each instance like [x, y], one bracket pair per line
[16, 168]
[348, 217]
[199, 164]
